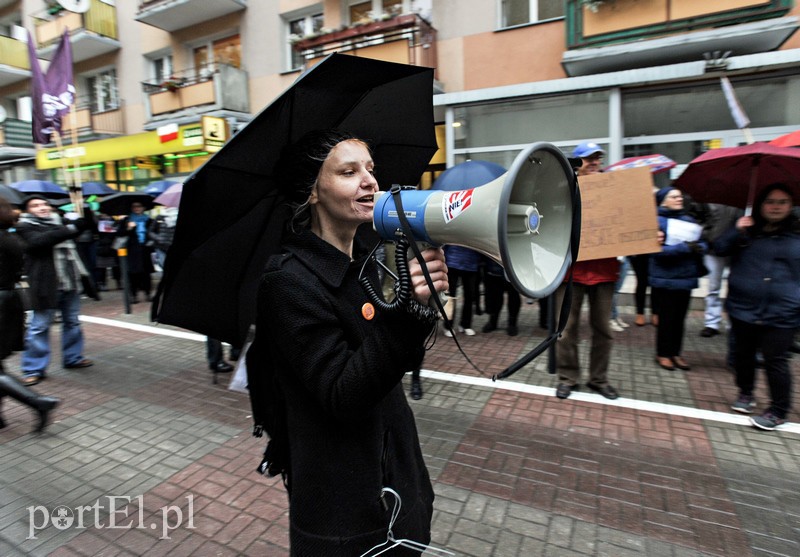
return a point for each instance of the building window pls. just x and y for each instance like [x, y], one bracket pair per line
[162, 68]
[520, 12]
[206, 56]
[103, 93]
[361, 11]
[297, 28]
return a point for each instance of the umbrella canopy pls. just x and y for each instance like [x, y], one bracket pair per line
[11, 195]
[467, 175]
[734, 175]
[96, 188]
[159, 187]
[232, 214]
[656, 163]
[47, 189]
[789, 140]
[171, 197]
[120, 203]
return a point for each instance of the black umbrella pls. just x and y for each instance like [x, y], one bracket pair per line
[11, 195]
[120, 203]
[231, 212]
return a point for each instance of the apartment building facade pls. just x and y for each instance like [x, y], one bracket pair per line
[155, 77]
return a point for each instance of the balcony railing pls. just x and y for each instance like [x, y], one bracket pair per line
[91, 123]
[14, 62]
[16, 133]
[212, 87]
[408, 39]
[607, 22]
[92, 33]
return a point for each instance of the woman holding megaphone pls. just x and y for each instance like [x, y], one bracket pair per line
[345, 432]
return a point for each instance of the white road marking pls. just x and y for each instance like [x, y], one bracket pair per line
[657, 407]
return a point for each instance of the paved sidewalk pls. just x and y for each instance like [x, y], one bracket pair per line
[667, 470]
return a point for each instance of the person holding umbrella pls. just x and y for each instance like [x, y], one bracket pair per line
[330, 364]
[763, 299]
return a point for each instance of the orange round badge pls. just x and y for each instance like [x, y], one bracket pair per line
[368, 311]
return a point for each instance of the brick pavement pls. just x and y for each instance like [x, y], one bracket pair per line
[515, 473]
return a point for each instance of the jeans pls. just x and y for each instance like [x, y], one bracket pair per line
[624, 265]
[36, 357]
[715, 265]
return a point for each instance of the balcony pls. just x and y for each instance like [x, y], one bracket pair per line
[91, 34]
[601, 34]
[219, 89]
[407, 39]
[14, 62]
[15, 140]
[171, 15]
[93, 124]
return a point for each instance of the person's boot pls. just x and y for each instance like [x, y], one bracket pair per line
[416, 388]
[491, 325]
[41, 404]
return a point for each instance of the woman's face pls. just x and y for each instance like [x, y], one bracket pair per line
[776, 206]
[346, 185]
[673, 200]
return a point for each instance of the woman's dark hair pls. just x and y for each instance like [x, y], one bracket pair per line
[790, 222]
[7, 215]
[297, 170]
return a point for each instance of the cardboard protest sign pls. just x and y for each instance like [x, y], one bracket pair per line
[618, 214]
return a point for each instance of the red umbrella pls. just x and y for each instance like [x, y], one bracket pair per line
[656, 163]
[789, 140]
[734, 175]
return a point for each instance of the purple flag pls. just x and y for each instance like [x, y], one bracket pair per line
[53, 93]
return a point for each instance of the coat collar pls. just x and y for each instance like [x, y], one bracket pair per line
[321, 258]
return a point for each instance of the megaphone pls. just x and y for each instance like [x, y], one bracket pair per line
[522, 220]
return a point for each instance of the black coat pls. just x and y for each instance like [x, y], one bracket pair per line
[40, 263]
[12, 318]
[351, 431]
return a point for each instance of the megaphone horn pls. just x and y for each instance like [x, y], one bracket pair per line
[522, 220]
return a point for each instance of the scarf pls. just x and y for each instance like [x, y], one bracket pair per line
[141, 226]
[68, 264]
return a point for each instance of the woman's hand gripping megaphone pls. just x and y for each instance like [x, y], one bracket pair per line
[437, 270]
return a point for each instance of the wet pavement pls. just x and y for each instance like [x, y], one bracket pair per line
[146, 456]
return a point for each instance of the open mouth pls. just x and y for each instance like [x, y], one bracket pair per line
[366, 199]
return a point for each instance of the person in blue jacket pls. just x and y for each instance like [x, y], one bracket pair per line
[673, 274]
[763, 300]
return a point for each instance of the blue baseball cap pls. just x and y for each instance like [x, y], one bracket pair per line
[587, 149]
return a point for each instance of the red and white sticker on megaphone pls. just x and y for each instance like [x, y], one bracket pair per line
[455, 203]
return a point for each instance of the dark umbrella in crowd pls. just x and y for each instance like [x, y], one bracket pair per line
[96, 188]
[11, 195]
[232, 214]
[734, 175]
[120, 203]
[466, 175]
[159, 187]
[43, 187]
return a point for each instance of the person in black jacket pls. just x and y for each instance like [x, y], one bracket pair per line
[763, 299]
[337, 361]
[12, 319]
[55, 272]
